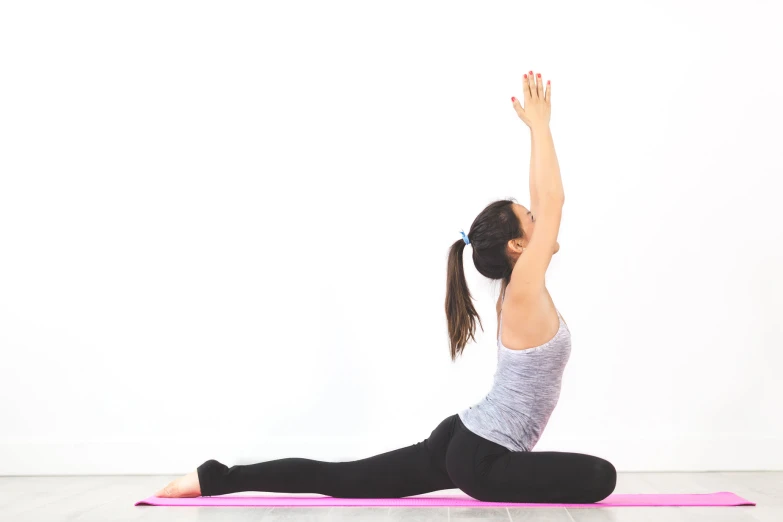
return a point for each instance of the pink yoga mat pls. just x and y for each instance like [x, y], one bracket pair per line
[721, 498]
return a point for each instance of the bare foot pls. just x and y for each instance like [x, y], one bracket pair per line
[183, 487]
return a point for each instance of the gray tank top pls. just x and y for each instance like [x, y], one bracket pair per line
[524, 394]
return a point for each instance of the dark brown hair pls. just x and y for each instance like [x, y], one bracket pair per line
[489, 234]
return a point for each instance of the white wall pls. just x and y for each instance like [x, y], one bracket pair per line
[224, 227]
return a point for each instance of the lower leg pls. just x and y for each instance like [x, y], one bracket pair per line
[395, 474]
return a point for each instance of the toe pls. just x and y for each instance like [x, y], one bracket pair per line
[167, 492]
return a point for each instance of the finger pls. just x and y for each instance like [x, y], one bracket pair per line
[539, 86]
[532, 83]
[517, 106]
[526, 88]
[548, 91]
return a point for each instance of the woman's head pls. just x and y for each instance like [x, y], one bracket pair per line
[498, 236]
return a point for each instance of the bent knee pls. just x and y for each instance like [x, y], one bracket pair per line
[604, 479]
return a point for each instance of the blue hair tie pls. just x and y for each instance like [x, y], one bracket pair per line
[464, 237]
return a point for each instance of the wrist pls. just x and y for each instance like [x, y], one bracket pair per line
[539, 128]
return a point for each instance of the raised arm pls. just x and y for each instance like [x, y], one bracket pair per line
[545, 181]
[546, 190]
[545, 178]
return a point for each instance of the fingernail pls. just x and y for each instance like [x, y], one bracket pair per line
[526, 77]
[539, 75]
[531, 73]
[513, 99]
[547, 82]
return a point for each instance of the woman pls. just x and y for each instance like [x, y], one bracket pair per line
[486, 449]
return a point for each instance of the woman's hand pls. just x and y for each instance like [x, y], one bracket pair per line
[538, 106]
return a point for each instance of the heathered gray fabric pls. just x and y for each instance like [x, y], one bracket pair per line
[525, 391]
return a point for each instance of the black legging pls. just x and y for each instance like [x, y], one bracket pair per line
[452, 457]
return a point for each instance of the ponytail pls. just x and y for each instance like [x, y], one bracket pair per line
[460, 313]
